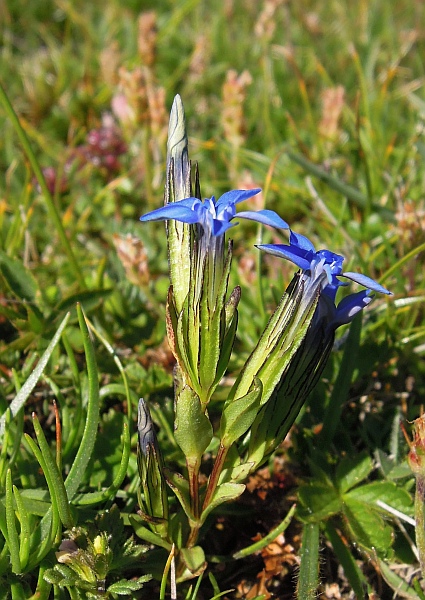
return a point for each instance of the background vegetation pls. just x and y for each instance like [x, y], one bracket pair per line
[322, 105]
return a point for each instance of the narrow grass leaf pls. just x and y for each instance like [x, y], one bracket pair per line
[25, 534]
[342, 385]
[53, 476]
[20, 398]
[351, 569]
[79, 466]
[12, 531]
[90, 499]
[267, 539]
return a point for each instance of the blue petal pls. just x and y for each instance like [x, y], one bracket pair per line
[367, 282]
[219, 227]
[291, 253]
[181, 211]
[236, 196]
[296, 239]
[350, 306]
[266, 217]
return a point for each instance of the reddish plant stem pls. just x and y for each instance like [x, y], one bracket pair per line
[214, 477]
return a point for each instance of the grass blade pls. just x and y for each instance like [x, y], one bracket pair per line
[53, 476]
[20, 398]
[51, 208]
[12, 532]
[79, 466]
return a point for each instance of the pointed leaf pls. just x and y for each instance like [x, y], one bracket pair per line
[30, 383]
[225, 492]
[239, 414]
[193, 430]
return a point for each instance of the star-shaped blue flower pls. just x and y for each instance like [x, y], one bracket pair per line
[321, 270]
[215, 216]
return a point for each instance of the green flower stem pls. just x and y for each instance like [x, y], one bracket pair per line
[51, 208]
[193, 474]
[420, 519]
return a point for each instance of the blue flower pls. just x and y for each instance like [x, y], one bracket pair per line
[213, 215]
[320, 272]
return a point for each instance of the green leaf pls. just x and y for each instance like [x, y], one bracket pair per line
[12, 531]
[352, 470]
[194, 561]
[19, 279]
[146, 534]
[180, 487]
[30, 383]
[25, 533]
[89, 298]
[126, 588]
[399, 585]
[351, 569]
[319, 502]
[384, 491]
[367, 527]
[51, 472]
[193, 430]
[223, 493]
[239, 414]
[79, 466]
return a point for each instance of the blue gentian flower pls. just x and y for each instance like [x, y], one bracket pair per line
[320, 273]
[212, 219]
[213, 215]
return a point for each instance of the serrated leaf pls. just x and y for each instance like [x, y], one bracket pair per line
[352, 470]
[19, 279]
[319, 502]
[367, 527]
[124, 587]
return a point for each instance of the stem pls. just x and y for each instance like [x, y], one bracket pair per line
[214, 477]
[193, 471]
[193, 475]
[420, 520]
[51, 208]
